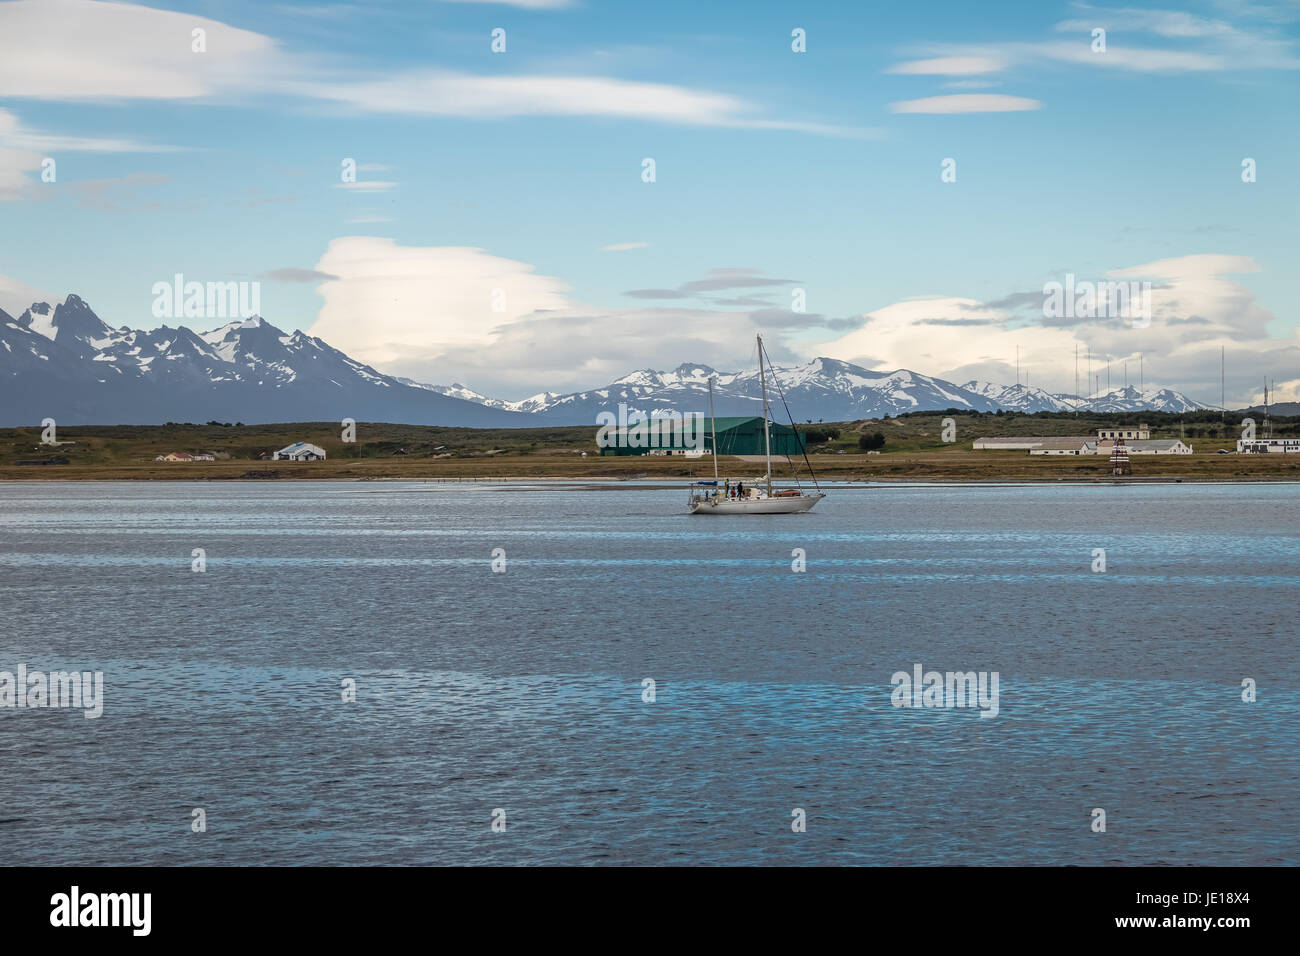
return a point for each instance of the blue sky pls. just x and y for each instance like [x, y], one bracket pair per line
[774, 171]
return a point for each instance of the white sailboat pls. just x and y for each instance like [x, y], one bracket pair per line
[715, 498]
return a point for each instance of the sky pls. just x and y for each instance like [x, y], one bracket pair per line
[462, 191]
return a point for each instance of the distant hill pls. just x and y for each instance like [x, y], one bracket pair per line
[1280, 408]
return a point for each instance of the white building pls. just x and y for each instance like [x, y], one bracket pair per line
[1268, 446]
[300, 451]
[1029, 442]
[1065, 446]
[1154, 446]
[1126, 432]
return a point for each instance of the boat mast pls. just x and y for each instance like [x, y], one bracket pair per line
[767, 438]
[714, 427]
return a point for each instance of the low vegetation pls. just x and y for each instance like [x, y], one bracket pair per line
[904, 447]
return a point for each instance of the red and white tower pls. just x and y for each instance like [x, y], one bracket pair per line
[1119, 463]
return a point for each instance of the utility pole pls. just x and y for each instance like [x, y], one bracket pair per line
[1223, 401]
[1268, 429]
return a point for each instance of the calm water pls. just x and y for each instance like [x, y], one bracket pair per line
[523, 690]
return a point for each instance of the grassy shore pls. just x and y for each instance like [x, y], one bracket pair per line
[913, 451]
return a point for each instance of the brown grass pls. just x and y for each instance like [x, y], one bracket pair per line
[953, 464]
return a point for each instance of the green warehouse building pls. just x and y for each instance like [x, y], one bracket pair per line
[736, 436]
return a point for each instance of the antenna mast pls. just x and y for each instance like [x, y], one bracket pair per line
[767, 437]
[1268, 429]
[714, 427]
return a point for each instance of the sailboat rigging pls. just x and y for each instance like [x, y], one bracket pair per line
[715, 498]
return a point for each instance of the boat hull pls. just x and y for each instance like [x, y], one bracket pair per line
[755, 506]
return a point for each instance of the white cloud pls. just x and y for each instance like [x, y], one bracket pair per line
[434, 92]
[584, 347]
[366, 186]
[25, 149]
[426, 313]
[56, 49]
[967, 103]
[1138, 59]
[1165, 23]
[1196, 44]
[15, 164]
[1197, 310]
[624, 246]
[523, 4]
[944, 336]
[951, 65]
[16, 296]
[88, 50]
[409, 304]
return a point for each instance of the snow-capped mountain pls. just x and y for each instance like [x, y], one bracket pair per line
[1022, 398]
[1130, 399]
[463, 392]
[823, 389]
[61, 361]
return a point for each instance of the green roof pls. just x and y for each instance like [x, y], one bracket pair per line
[735, 421]
[725, 423]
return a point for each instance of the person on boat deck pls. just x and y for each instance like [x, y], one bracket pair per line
[740, 489]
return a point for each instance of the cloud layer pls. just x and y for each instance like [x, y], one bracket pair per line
[55, 50]
[442, 314]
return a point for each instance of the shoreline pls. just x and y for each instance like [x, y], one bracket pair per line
[669, 482]
[914, 452]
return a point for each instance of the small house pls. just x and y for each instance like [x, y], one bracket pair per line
[300, 451]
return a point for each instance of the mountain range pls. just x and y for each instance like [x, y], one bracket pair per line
[822, 389]
[63, 362]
